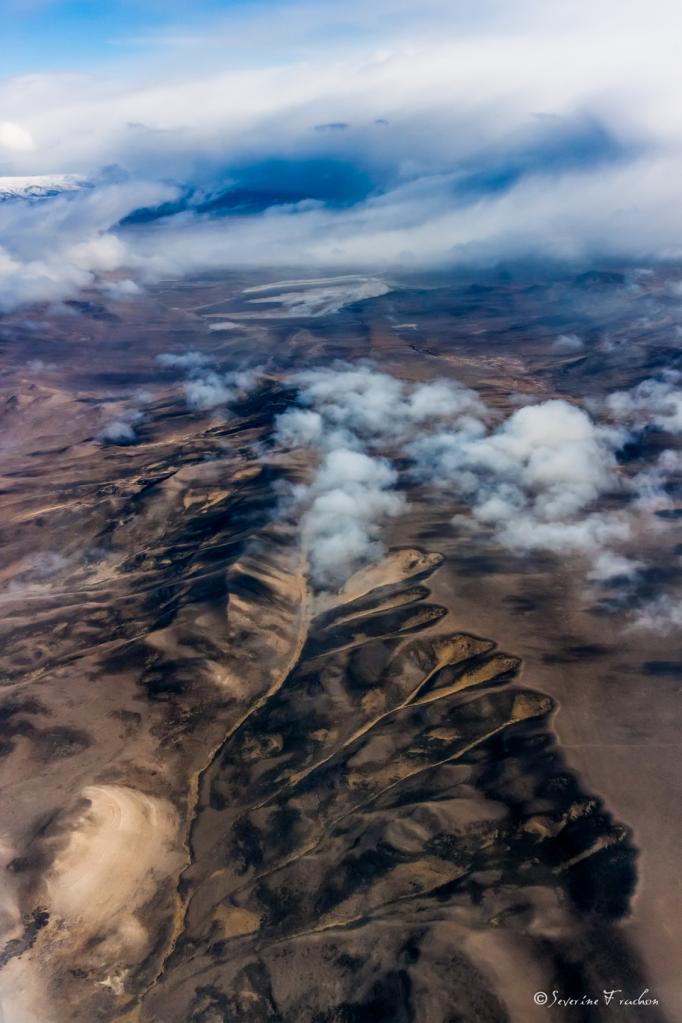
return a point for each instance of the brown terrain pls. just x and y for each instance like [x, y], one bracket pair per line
[230, 797]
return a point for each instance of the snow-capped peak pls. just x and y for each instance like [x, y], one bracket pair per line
[40, 186]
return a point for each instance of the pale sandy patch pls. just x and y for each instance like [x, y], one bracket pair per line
[121, 847]
[395, 567]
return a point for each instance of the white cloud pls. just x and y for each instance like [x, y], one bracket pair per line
[118, 432]
[15, 138]
[650, 483]
[190, 361]
[301, 428]
[662, 616]
[349, 498]
[54, 248]
[655, 401]
[349, 414]
[121, 430]
[379, 408]
[608, 565]
[533, 480]
[580, 157]
[208, 391]
[352, 492]
[568, 343]
[205, 388]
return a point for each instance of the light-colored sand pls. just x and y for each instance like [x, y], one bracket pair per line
[395, 567]
[119, 850]
[22, 998]
[123, 845]
[236, 921]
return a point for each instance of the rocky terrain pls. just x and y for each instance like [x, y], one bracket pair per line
[231, 794]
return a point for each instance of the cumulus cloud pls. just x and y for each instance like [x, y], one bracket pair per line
[205, 388]
[650, 484]
[121, 431]
[532, 481]
[209, 391]
[351, 415]
[376, 408]
[37, 574]
[661, 616]
[348, 500]
[568, 343]
[547, 478]
[609, 566]
[653, 402]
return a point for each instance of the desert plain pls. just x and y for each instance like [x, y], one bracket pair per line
[232, 792]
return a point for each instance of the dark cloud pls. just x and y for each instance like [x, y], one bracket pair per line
[332, 126]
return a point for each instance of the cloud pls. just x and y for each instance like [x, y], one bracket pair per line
[378, 408]
[38, 574]
[205, 388]
[440, 162]
[53, 249]
[350, 497]
[568, 343]
[650, 484]
[662, 616]
[39, 366]
[532, 481]
[209, 391]
[303, 428]
[183, 360]
[15, 138]
[552, 450]
[348, 411]
[547, 478]
[608, 566]
[121, 431]
[653, 402]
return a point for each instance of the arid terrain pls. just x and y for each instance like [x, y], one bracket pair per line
[233, 793]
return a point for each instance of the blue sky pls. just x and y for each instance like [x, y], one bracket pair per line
[47, 35]
[41, 36]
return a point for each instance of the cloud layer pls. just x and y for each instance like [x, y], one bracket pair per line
[420, 135]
